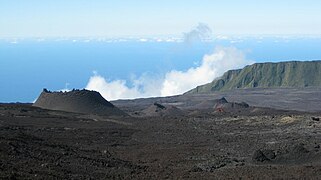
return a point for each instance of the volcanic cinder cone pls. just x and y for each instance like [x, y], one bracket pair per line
[158, 109]
[221, 104]
[79, 101]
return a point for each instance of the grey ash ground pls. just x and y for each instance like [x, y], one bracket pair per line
[177, 141]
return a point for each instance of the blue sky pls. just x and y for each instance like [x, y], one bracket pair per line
[169, 55]
[147, 18]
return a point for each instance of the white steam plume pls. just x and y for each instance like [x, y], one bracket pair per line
[212, 66]
[112, 90]
[144, 86]
[173, 82]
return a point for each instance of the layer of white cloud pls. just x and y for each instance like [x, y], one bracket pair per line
[174, 82]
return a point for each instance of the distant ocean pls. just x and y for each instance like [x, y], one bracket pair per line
[27, 66]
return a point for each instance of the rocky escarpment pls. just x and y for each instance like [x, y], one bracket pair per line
[265, 75]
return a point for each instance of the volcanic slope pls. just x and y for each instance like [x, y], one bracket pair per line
[78, 101]
[267, 75]
[220, 103]
[158, 109]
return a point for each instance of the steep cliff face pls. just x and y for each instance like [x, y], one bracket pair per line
[283, 74]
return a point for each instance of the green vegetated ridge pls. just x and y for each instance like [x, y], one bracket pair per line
[263, 75]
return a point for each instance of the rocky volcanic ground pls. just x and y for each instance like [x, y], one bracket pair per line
[167, 139]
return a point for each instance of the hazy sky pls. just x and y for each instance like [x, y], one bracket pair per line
[111, 18]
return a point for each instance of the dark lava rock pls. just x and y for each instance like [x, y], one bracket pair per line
[222, 100]
[315, 118]
[269, 154]
[159, 105]
[299, 149]
[263, 155]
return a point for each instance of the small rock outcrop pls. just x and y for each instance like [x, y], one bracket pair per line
[158, 109]
[263, 155]
[221, 105]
